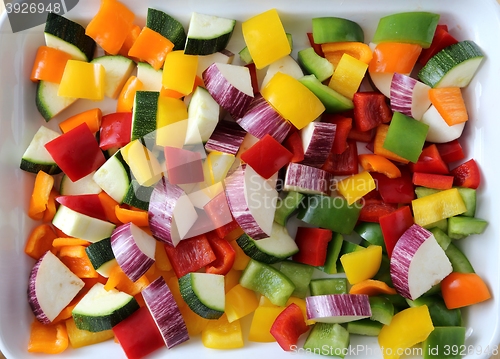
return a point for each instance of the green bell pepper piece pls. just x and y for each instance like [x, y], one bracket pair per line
[300, 274]
[328, 339]
[287, 206]
[444, 343]
[371, 234]
[325, 286]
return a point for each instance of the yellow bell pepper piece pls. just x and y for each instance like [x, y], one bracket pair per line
[80, 338]
[262, 321]
[173, 284]
[348, 76]
[169, 131]
[240, 302]
[294, 101]
[179, 72]
[363, 264]
[265, 38]
[407, 328]
[241, 259]
[356, 186]
[437, 206]
[220, 334]
[143, 164]
[82, 80]
[231, 279]
[194, 323]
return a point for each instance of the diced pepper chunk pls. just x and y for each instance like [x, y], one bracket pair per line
[49, 64]
[151, 47]
[356, 186]
[438, 206]
[82, 80]
[220, 334]
[179, 72]
[262, 321]
[348, 75]
[240, 302]
[363, 264]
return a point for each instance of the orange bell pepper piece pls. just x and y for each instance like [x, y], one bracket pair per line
[40, 195]
[65, 241]
[49, 64]
[76, 259]
[126, 98]
[161, 259]
[48, 338]
[50, 212]
[66, 313]
[109, 205]
[463, 289]
[39, 241]
[450, 104]
[129, 40]
[139, 218]
[394, 57]
[111, 25]
[378, 145]
[119, 280]
[333, 51]
[377, 163]
[371, 287]
[151, 47]
[91, 117]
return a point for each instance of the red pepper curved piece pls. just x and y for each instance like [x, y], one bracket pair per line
[467, 175]
[289, 326]
[224, 255]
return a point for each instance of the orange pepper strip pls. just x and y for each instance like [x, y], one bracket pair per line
[139, 218]
[61, 234]
[463, 289]
[67, 311]
[394, 57]
[65, 241]
[450, 104]
[129, 40]
[48, 338]
[118, 279]
[371, 287]
[76, 259]
[40, 196]
[377, 163]
[39, 241]
[50, 212]
[334, 50]
[49, 64]
[109, 205]
[111, 25]
[91, 117]
[152, 47]
[378, 145]
[126, 98]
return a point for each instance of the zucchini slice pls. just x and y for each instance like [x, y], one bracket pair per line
[114, 177]
[48, 103]
[36, 157]
[85, 185]
[117, 71]
[167, 26]
[68, 36]
[100, 309]
[144, 114]
[101, 256]
[208, 34]
[204, 293]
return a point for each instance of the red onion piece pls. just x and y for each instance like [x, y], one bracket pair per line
[317, 141]
[307, 179]
[227, 137]
[338, 308]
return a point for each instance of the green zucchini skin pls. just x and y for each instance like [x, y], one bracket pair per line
[193, 296]
[167, 26]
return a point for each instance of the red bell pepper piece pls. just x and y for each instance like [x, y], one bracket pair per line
[317, 47]
[293, 143]
[76, 152]
[224, 255]
[253, 77]
[430, 161]
[361, 136]
[115, 130]
[441, 40]
[88, 204]
[374, 208]
[344, 125]
[190, 255]
[432, 180]
[312, 243]
[267, 156]
[393, 225]
[219, 213]
[467, 175]
[138, 334]
[395, 190]
[183, 166]
[345, 163]
[370, 110]
[288, 326]
[451, 151]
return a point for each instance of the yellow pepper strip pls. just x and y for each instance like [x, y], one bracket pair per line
[143, 164]
[194, 323]
[161, 259]
[265, 37]
[437, 206]
[47, 338]
[348, 76]
[262, 321]
[80, 338]
[240, 302]
[293, 100]
[241, 260]
[356, 186]
[231, 279]
[220, 334]
[407, 328]
[363, 264]
[82, 80]
[179, 72]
